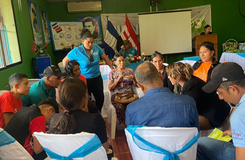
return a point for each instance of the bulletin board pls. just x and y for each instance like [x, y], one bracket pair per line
[66, 34]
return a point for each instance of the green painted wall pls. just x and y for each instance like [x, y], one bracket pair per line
[25, 36]
[226, 22]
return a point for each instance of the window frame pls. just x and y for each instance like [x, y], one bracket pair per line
[17, 36]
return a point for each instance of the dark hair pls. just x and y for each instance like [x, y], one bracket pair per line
[88, 20]
[116, 56]
[225, 85]
[70, 66]
[207, 26]
[16, 78]
[51, 102]
[72, 93]
[147, 73]
[208, 45]
[85, 33]
[155, 54]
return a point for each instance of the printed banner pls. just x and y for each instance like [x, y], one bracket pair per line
[94, 26]
[45, 26]
[66, 35]
[200, 16]
[36, 27]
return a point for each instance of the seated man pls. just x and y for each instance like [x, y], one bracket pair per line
[45, 87]
[127, 49]
[228, 80]
[159, 106]
[10, 102]
[29, 120]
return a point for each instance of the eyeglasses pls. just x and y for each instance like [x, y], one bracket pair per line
[90, 57]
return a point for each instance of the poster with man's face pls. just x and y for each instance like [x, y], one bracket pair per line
[36, 27]
[93, 24]
[45, 25]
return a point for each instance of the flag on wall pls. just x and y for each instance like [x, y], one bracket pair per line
[111, 40]
[129, 34]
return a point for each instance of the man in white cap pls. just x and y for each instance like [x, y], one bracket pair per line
[228, 80]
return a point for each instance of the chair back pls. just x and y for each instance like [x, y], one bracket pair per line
[11, 149]
[60, 64]
[32, 81]
[160, 143]
[3, 91]
[82, 146]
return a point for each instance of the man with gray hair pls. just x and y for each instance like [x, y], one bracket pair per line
[159, 106]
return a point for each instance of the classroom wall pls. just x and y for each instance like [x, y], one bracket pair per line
[226, 22]
[25, 36]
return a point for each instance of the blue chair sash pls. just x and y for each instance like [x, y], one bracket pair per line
[144, 145]
[5, 139]
[81, 152]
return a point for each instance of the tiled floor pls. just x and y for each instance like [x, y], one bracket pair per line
[120, 146]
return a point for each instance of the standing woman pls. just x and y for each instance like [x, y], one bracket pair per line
[204, 67]
[88, 56]
[157, 60]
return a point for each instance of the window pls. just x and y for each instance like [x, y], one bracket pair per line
[9, 45]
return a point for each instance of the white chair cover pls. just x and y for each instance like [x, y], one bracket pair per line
[68, 146]
[11, 149]
[169, 139]
[3, 91]
[32, 81]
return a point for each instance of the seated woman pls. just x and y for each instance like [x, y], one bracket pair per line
[72, 69]
[121, 80]
[157, 60]
[207, 30]
[212, 111]
[73, 94]
[204, 67]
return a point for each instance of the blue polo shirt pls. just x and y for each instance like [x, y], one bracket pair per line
[88, 69]
[126, 54]
[163, 108]
[238, 124]
[37, 93]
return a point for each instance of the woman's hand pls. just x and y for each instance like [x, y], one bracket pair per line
[228, 132]
[120, 78]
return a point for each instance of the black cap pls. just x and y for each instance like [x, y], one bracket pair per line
[224, 72]
[53, 70]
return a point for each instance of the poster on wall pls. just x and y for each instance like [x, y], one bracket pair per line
[45, 26]
[93, 24]
[66, 35]
[36, 27]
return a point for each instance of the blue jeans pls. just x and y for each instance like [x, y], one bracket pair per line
[212, 149]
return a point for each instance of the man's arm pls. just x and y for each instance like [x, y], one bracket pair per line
[7, 116]
[37, 148]
[240, 153]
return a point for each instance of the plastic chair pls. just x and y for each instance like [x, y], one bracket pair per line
[61, 66]
[160, 143]
[32, 81]
[3, 91]
[82, 146]
[11, 149]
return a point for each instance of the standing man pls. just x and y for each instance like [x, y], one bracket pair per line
[159, 106]
[228, 80]
[45, 87]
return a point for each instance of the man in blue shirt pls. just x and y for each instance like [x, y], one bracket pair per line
[159, 106]
[127, 49]
[44, 88]
[228, 80]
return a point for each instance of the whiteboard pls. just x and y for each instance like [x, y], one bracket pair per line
[66, 34]
[165, 32]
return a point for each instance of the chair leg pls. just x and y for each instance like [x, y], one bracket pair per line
[113, 125]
